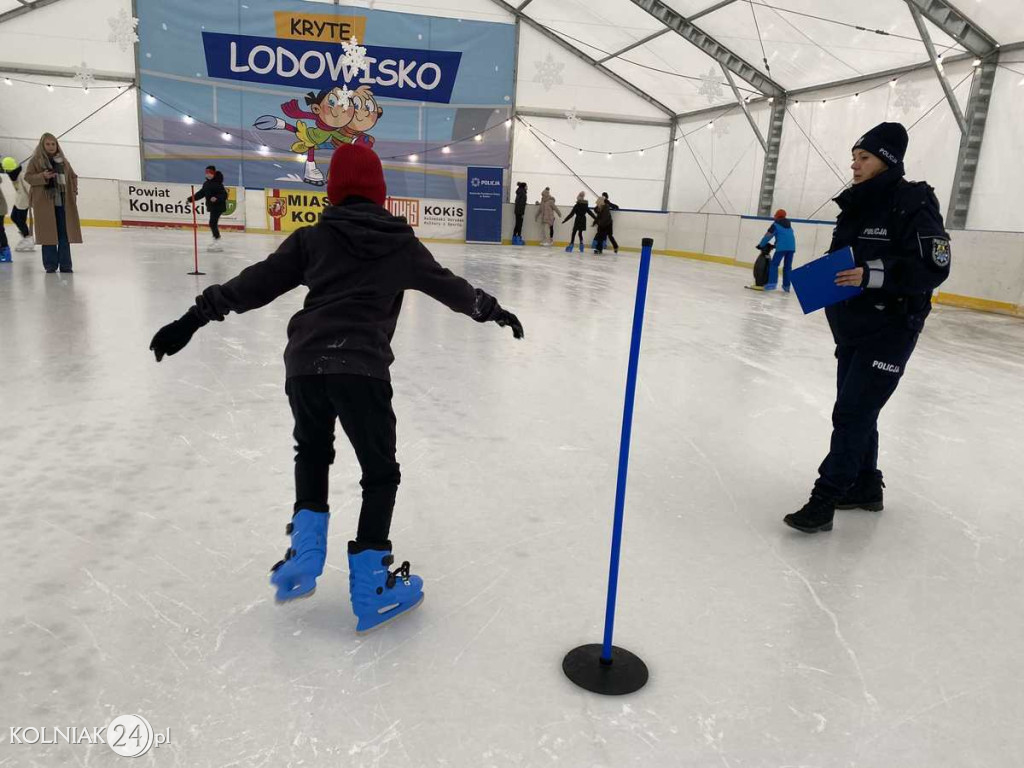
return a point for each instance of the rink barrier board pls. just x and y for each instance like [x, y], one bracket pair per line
[712, 238]
[947, 299]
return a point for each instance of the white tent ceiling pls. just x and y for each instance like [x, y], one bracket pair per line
[800, 44]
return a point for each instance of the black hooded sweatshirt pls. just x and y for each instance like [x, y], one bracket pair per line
[356, 263]
[214, 188]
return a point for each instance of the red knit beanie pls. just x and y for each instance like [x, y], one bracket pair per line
[779, 214]
[356, 171]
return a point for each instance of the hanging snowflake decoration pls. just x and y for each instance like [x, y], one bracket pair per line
[711, 86]
[355, 55]
[908, 99]
[84, 76]
[549, 72]
[573, 117]
[122, 30]
[345, 97]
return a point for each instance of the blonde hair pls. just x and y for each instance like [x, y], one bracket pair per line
[581, 196]
[41, 157]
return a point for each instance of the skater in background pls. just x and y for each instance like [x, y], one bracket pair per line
[216, 196]
[54, 203]
[548, 213]
[603, 222]
[19, 211]
[781, 231]
[578, 214]
[5, 248]
[611, 206]
[902, 254]
[520, 212]
[356, 263]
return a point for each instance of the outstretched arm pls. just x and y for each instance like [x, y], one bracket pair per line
[456, 293]
[254, 287]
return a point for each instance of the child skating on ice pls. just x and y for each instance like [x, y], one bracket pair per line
[356, 263]
[579, 214]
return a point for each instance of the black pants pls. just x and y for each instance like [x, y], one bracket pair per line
[363, 405]
[214, 218]
[868, 374]
[577, 230]
[517, 231]
[3, 235]
[20, 218]
[605, 235]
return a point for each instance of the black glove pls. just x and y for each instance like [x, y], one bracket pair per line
[506, 319]
[173, 337]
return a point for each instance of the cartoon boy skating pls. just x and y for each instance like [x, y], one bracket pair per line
[341, 117]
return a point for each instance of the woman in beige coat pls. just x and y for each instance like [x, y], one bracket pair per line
[547, 213]
[54, 205]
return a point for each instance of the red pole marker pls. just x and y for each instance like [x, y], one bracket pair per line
[195, 234]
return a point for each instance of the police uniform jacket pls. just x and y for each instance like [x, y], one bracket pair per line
[896, 232]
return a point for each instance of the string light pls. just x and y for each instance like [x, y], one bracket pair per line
[641, 153]
[264, 149]
[226, 136]
[446, 151]
[892, 83]
[414, 158]
[478, 137]
[49, 88]
[300, 158]
[508, 123]
[7, 81]
[711, 125]
[609, 156]
[187, 119]
[976, 63]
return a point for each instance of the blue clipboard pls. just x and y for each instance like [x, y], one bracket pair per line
[815, 283]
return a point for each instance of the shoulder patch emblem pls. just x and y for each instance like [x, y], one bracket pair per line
[940, 252]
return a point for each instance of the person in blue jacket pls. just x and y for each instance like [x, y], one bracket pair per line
[785, 246]
[902, 253]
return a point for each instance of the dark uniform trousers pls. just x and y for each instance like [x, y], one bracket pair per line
[868, 374]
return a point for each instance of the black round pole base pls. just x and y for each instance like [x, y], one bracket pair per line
[197, 273]
[626, 673]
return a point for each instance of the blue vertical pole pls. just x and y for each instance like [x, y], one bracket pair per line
[627, 428]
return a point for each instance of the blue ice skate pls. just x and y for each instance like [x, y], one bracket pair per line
[379, 595]
[295, 576]
[5, 255]
[582, 249]
[569, 248]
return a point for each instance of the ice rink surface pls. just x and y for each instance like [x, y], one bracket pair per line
[143, 505]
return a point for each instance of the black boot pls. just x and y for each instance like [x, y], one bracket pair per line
[866, 493]
[815, 516]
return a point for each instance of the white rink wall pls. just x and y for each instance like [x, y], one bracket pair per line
[988, 271]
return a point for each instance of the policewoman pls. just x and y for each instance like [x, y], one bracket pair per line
[902, 254]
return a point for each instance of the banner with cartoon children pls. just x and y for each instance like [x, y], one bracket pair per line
[266, 89]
